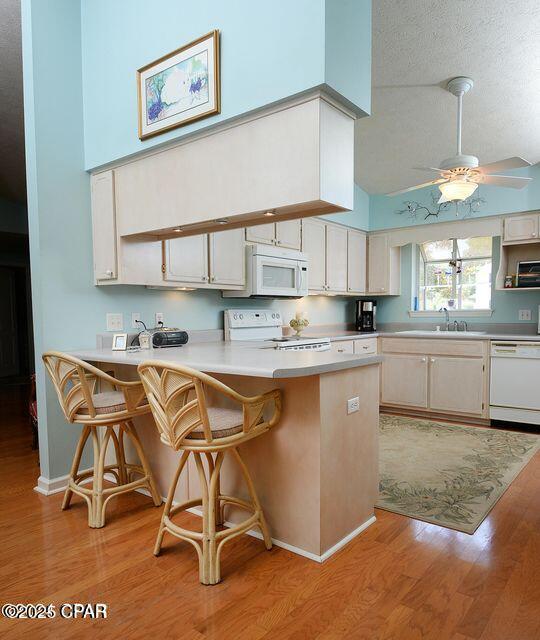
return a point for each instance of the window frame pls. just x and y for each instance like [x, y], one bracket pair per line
[456, 283]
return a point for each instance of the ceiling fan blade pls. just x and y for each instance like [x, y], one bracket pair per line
[429, 169]
[504, 165]
[418, 186]
[514, 182]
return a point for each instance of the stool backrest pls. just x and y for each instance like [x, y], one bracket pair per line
[176, 395]
[74, 382]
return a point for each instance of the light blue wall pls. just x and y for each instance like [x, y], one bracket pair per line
[499, 200]
[95, 114]
[505, 304]
[348, 50]
[359, 216]
[269, 51]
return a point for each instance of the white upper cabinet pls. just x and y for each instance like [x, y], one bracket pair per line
[336, 259]
[314, 244]
[519, 228]
[288, 234]
[262, 233]
[215, 260]
[383, 266]
[285, 234]
[104, 227]
[356, 261]
[295, 156]
[227, 258]
[186, 260]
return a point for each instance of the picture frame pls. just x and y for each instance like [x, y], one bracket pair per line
[119, 342]
[180, 87]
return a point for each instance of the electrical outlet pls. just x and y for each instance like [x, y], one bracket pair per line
[353, 405]
[524, 314]
[115, 322]
[134, 317]
[159, 317]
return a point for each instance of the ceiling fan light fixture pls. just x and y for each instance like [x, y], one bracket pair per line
[456, 190]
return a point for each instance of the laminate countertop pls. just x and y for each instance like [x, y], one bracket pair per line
[256, 359]
[445, 335]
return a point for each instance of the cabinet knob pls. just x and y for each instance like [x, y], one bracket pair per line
[212, 278]
[424, 359]
[432, 360]
[204, 278]
[278, 241]
[108, 273]
[534, 234]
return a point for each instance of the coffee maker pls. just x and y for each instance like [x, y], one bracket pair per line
[366, 311]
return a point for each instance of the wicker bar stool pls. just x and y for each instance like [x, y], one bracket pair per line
[186, 423]
[75, 383]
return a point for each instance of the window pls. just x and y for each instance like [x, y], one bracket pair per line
[455, 274]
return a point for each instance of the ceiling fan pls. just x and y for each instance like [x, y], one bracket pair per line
[460, 175]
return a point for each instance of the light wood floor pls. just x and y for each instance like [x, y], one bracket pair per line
[400, 579]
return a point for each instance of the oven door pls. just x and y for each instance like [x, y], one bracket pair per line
[279, 277]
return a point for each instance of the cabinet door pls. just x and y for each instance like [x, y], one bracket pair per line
[404, 380]
[336, 259]
[314, 244]
[263, 233]
[186, 259]
[288, 234]
[521, 228]
[378, 264]
[227, 257]
[104, 227]
[356, 262]
[456, 384]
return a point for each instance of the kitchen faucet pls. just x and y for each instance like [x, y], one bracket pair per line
[447, 316]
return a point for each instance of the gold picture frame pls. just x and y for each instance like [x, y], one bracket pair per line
[180, 87]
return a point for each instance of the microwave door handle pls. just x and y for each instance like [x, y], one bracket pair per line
[301, 275]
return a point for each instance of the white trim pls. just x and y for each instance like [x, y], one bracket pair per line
[298, 550]
[50, 486]
[454, 313]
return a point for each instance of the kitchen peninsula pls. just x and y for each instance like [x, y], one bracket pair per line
[316, 471]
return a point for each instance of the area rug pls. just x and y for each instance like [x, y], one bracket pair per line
[447, 474]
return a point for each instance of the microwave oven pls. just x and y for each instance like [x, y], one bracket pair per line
[273, 272]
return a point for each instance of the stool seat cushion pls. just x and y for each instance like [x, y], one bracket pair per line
[223, 422]
[108, 402]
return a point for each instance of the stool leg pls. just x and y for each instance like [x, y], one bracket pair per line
[120, 459]
[130, 430]
[75, 465]
[213, 511]
[254, 499]
[99, 473]
[211, 467]
[168, 503]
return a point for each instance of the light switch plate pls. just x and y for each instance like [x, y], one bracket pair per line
[115, 322]
[159, 317]
[134, 317]
[524, 314]
[353, 405]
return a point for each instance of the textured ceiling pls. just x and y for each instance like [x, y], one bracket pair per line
[12, 169]
[420, 44]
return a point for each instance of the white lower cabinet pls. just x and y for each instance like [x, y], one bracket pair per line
[439, 376]
[456, 384]
[365, 346]
[404, 381]
[342, 346]
[215, 260]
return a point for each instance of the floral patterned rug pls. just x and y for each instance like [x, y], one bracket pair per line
[447, 474]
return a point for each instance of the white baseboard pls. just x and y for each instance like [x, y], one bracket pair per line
[301, 552]
[50, 486]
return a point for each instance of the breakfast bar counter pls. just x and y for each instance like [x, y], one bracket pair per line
[316, 471]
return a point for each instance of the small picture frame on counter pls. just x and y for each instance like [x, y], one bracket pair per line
[119, 342]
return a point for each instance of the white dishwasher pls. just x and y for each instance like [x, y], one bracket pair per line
[515, 381]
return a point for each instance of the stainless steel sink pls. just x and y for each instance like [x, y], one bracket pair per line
[442, 334]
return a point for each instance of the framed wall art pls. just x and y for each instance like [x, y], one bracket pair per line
[179, 88]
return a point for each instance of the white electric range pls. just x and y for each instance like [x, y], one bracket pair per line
[265, 325]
